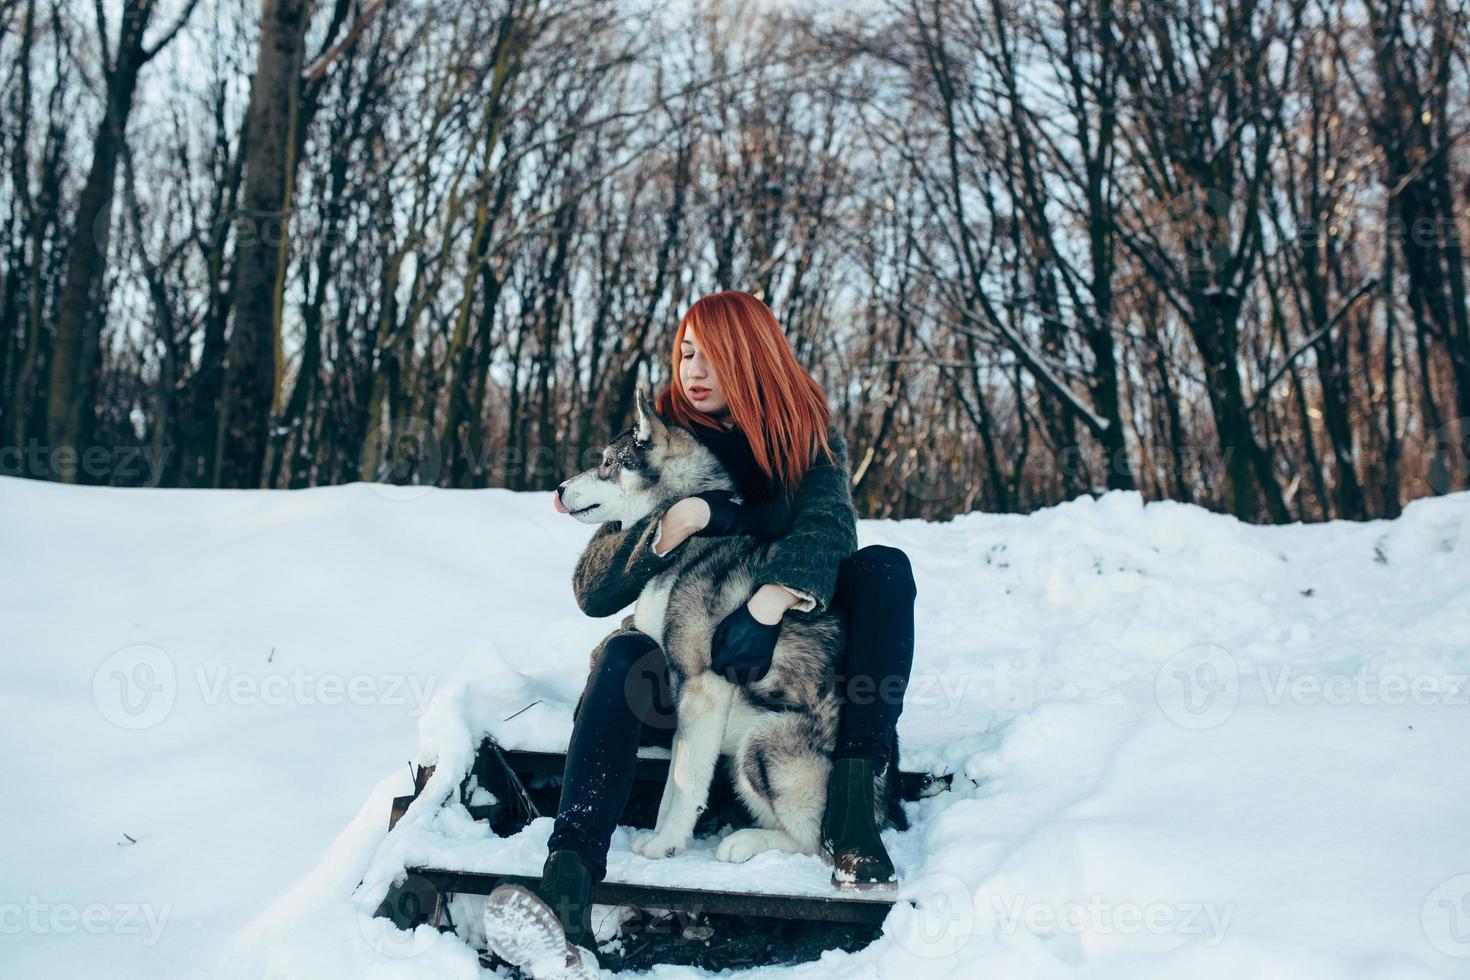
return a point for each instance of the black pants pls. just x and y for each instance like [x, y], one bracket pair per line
[627, 700]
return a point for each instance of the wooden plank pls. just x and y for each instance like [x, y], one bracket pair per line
[864, 908]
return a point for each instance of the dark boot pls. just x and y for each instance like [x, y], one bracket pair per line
[540, 927]
[850, 840]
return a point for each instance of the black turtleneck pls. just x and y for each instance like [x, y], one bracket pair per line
[732, 449]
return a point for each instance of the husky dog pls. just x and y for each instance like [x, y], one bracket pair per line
[779, 732]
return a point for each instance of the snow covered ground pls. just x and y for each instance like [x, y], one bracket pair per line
[1183, 747]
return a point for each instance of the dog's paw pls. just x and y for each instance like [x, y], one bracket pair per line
[657, 845]
[743, 845]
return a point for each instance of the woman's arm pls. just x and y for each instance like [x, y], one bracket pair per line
[823, 532]
[800, 570]
[619, 561]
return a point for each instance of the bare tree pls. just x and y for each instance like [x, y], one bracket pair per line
[76, 354]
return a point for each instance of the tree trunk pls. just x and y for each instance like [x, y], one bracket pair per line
[253, 368]
[76, 354]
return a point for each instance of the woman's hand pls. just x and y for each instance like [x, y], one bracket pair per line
[742, 647]
[710, 513]
[770, 603]
[685, 518]
[725, 515]
[745, 641]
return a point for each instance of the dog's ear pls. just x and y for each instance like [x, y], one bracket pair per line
[648, 424]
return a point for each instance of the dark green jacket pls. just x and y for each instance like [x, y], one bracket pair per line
[821, 530]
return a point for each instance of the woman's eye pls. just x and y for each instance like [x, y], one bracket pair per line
[688, 357]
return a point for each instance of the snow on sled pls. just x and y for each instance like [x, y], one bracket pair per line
[514, 793]
[486, 782]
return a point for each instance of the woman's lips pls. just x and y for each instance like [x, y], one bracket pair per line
[698, 393]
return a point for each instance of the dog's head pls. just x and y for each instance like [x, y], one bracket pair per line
[647, 467]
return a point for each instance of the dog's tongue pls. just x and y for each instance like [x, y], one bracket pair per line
[561, 508]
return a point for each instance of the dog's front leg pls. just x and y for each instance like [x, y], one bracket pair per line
[704, 710]
[665, 802]
[668, 795]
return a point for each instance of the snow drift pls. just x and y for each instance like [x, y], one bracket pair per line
[1182, 746]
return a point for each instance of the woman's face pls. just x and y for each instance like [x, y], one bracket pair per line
[697, 377]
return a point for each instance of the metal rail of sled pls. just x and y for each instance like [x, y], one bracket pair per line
[858, 908]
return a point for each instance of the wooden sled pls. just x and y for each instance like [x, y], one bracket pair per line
[526, 785]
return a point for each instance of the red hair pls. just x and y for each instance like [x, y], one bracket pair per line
[774, 401]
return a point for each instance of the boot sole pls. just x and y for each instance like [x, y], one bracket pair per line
[864, 886]
[521, 930]
[852, 884]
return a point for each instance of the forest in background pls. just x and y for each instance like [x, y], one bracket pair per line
[1207, 250]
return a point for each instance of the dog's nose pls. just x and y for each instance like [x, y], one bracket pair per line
[561, 508]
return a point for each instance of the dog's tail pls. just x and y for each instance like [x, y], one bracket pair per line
[893, 790]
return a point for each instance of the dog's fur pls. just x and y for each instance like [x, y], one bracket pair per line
[779, 732]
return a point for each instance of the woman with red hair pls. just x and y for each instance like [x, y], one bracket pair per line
[738, 388]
